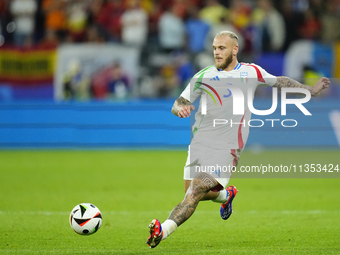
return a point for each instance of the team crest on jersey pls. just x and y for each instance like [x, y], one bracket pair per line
[244, 77]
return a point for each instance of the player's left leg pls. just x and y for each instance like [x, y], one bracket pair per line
[198, 188]
[226, 208]
[225, 197]
[209, 196]
[219, 195]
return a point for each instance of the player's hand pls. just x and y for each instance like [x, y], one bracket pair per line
[185, 111]
[322, 83]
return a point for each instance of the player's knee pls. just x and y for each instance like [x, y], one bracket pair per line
[198, 187]
[206, 181]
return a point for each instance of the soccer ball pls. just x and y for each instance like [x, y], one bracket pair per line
[85, 219]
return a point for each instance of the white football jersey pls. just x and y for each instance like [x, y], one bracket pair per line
[221, 121]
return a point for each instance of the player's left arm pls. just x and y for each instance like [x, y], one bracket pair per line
[286, 82]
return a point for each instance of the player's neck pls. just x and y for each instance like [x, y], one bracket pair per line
[232, 65]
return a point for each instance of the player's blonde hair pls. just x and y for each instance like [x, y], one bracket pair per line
[231, 34]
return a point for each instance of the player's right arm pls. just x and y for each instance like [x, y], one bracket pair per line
[182, 107]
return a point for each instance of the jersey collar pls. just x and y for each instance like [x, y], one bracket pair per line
[238, 66]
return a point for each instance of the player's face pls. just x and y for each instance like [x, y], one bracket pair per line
[224, 50]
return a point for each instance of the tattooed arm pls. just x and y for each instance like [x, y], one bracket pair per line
[286, 82]
[182, 107]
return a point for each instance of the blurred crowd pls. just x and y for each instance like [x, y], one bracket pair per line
[169, 24]
[169, 27]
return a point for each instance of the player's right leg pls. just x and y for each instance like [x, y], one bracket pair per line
[227, 159]
[156, 233]
[198, 188]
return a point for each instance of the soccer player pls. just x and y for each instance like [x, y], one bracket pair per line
[213, 146]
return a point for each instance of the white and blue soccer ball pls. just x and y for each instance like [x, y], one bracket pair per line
[85, 219]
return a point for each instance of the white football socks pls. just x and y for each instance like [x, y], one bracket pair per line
[222, 197]
[168, 227]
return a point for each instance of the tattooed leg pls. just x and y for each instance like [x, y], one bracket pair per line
[198, 188]
[211, 195]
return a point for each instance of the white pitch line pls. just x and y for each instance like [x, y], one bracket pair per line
[34, 213]
[53, 213]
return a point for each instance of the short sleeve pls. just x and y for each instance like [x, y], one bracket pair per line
[193, 91]
[268, 78]
[190, 93]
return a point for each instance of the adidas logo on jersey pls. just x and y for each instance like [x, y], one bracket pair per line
[216, 78]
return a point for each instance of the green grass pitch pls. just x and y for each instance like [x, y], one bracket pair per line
[271, 215]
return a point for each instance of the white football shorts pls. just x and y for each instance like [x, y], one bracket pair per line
[217, 163]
